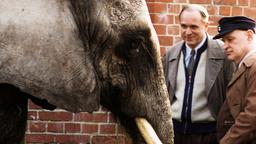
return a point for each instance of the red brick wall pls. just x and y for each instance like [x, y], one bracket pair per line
[100, 127]
[60, 126]
[164, 15]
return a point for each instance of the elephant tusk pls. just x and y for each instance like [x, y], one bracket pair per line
[147, 131]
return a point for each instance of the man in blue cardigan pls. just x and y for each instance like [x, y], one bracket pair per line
[197, 73]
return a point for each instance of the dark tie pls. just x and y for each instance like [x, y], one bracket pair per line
[191, 62]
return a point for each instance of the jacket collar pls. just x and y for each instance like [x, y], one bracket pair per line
[214, 64]
[176, 52]
[215, 59]
[247, 63]
[213, 53]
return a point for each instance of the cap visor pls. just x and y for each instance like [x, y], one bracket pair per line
[220, 35]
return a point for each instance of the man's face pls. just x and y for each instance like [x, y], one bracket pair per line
[193, 28]
[236, 45]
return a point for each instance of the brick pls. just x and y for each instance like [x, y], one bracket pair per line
[72, 139]
[250, 12]
[253, 3]
[176, 20]
[163, 18]
[225, 11]
[96, 117]
[225, 2]
[108, 129]
[166, 1]
[157, 7]
[55, 127]
[165, 40]
[180, 1]
[174, 8]
[173, 30]
[212, 10]
[237, 11]
[212, 30]
[39, 138]
[83, 117]
[108, 140]
[37, 127]
[72, 128]
[100, 117]
[200, 1]
[243, 2]
[160, 29]
[55, 116]
[89, 128]
[32, 115]
[214, 20]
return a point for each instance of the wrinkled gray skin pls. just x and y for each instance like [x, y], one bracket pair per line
[82, 53]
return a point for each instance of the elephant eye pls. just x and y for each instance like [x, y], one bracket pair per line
[132, 44]
[134, 49]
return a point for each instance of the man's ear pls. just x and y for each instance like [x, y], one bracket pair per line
[206, 25]
[250, 34]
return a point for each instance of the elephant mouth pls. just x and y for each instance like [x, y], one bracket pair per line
[147, 131]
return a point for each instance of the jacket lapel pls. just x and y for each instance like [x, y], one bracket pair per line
[247, 63]
[237, 74]
[173, 64]
[215, 60]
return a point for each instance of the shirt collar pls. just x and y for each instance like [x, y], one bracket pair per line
[188, 48]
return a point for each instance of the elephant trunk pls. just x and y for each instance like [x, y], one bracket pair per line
[159, 112]
[156, 109]
[162, 124]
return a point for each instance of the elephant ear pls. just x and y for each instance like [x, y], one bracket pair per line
[41, 53]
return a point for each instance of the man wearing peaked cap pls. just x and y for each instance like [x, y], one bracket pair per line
[236, 123]
[229, 24]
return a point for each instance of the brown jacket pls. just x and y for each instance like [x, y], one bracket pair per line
[238, 113]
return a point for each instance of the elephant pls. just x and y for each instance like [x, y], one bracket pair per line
[80, 54]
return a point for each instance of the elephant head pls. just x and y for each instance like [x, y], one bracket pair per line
[78, 54]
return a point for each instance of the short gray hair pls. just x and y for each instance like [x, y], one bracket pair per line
[195, 7]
